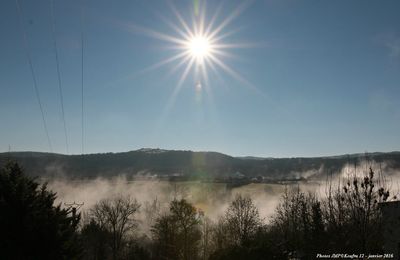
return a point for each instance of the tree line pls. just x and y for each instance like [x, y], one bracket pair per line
[345, 219]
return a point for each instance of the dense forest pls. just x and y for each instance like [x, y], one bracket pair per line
[346, 219]
[187, 163]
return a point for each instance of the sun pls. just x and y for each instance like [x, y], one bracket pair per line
[199, 47]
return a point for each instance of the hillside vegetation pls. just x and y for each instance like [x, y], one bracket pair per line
[151, 162]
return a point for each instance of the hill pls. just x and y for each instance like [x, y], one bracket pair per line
[157, 162]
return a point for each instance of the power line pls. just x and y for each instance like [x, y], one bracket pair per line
[82, 47]
[58, 72]
[74, 207]
[33, 73]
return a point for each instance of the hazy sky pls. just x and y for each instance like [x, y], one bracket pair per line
[323, 78]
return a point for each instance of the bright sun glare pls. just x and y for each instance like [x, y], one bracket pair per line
[199, 47]
[198, 44]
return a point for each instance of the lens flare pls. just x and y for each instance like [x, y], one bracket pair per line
[198, 47]
[198, 44]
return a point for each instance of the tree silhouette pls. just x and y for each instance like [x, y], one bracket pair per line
[95, 241]
[240, 234]
[353, 217]
[177, 234]
[117, 216]
[242, 219]
[31, 226]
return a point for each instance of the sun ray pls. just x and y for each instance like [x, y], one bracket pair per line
[202, 16]
[186, 72]
[213, 19]
[204, 73]
[181, 20]
[233, 73]
[182, 33]
[218, 38]
[154, 34]
[199, 47]
[221, 52]
[184, 61]
[215, 71]
[243, 45]
[238, 10]
[163, 62]
[172, 98]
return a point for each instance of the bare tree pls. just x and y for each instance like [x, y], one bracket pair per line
[352, 211]
[206, 227]
[151, 210]
[348, 219]
[297, 224]
[165, 238]
[177, 234]
[242, 219]
[117, 216]
[187, 219]
[221, 238]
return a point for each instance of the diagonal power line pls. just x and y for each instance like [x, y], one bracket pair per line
[58, 72]
[82, 66]
[26, 47]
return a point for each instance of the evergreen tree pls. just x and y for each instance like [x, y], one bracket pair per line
[31, 226]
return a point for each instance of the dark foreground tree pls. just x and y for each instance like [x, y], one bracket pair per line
[353, 218]
[117, 216]
[242, 219]
[177, 234]
[95, 241]
[297, 225]
[347, 220]
[240, 234]
[31, 226]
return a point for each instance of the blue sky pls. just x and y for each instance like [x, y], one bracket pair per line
[324, 79]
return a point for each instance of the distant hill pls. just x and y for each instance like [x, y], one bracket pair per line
[187, 163]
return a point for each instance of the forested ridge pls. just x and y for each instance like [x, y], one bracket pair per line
[188, 163]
